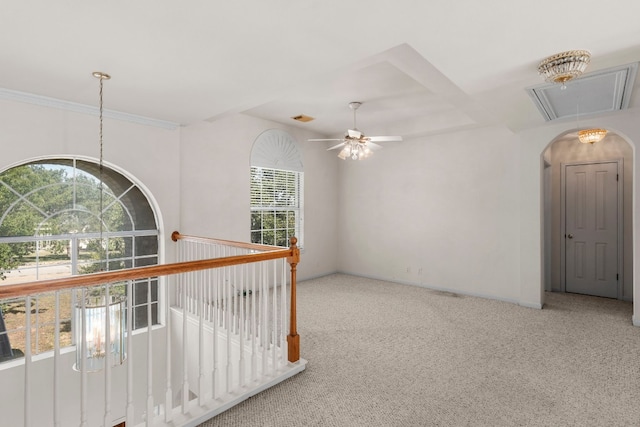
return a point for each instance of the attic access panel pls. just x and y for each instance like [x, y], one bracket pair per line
[594, 93]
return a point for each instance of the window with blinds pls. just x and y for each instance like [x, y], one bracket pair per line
[276, 206]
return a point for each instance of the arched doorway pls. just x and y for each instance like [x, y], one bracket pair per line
[565, 153]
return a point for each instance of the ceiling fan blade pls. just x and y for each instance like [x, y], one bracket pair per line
[354, 133]
[336, 146]
[334, 139]
[384, 138]
[373, 146]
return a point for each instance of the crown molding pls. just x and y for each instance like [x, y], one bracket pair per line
[29, 98]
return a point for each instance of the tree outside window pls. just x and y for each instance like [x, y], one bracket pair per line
[62, 217]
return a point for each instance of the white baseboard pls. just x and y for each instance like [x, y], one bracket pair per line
[436, 288]
[635, 321]
[535, 305]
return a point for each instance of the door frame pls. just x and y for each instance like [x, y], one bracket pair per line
[563, 219]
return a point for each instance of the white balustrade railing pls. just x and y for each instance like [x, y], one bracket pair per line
[224, 336]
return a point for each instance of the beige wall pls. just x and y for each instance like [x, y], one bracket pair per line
[440, 212]
[215, 161]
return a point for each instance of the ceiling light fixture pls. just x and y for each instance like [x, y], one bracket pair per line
[588, 136]
[564, 66]
[355, 144]
[591, 136]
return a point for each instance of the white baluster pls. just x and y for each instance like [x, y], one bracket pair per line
[37, 325]
[56, 363]
[178, 286]
[216, 320]
[150, 411]
[254, 326]
[185, 345]
[190, 281]
[83, 360]
[27, 362]
[236, 298]
[274, 323]
[107, 361]
[264, 319]
[228, 309]
[168, 395]
[283, 314]
[130, 357]
[242, 297]
[201, 383]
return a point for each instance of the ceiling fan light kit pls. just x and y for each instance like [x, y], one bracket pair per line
[355, 150]
[355, 145]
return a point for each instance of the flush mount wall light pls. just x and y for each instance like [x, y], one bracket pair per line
[590, 136]
[564, 66]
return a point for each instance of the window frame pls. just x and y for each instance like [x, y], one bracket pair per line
[268, 205]
[276, 150]
[125, 192]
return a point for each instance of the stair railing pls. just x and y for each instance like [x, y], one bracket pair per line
[201, 259]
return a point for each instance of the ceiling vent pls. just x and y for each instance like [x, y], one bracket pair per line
[302, 118]
[595, 93]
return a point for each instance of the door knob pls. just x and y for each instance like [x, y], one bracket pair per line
[570, 236]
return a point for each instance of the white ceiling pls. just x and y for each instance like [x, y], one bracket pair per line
[420, 68]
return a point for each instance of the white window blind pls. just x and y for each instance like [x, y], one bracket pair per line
[276, 206]
[277, 186]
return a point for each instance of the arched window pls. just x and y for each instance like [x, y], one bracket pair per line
[277, 184]
[56, 222]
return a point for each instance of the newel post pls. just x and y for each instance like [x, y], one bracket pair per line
[293, 339]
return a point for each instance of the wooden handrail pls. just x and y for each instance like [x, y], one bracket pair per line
[175, 236]
[42, 286]
[266, 253]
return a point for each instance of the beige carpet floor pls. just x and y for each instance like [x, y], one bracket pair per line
[384, 354]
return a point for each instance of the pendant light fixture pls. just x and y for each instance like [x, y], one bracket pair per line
[591, 136]
[101, 329]
[588, 136]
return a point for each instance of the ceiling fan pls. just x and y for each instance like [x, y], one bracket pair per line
[355, 144]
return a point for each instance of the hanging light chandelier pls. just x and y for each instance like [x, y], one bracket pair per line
[101, 336]
[100, 314]
[588, 136]
[564, 66]
[591, 136]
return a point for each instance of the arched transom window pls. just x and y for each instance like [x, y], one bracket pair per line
[55, 222]
[277, 188]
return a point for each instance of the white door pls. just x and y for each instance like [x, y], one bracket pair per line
[591, 227]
